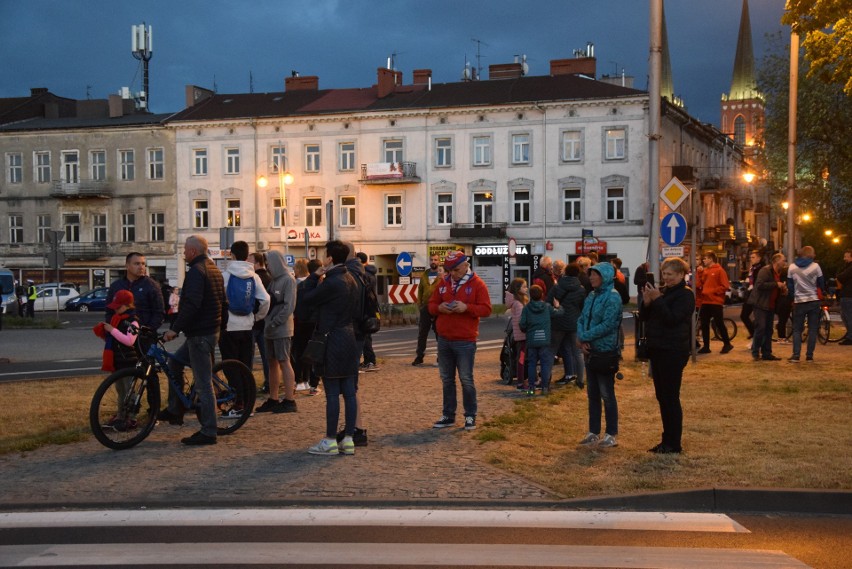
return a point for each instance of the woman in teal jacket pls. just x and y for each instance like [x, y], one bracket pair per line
[597, 330]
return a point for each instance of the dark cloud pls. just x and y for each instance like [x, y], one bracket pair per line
[71, 45]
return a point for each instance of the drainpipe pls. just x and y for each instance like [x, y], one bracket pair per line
[543, 173]
[255, 188]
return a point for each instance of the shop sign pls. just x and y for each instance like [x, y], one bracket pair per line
[589, 246]
[500, 250]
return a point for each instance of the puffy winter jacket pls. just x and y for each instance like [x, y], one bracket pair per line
[570, 294]
[535, 322]
[515, 308]
[598, 324]
[202, 299]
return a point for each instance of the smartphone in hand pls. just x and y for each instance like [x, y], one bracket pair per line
[650, 277]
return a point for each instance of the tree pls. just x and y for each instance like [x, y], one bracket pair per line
[826, 29]
[823, 153]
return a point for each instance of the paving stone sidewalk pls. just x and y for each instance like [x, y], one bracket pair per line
[266, 461]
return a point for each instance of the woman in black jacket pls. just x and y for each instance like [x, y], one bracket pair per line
[667, 314]
[334, 300]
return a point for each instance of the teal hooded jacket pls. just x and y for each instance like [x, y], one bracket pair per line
[598, 324]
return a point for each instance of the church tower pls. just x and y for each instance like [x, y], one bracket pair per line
[742, 107]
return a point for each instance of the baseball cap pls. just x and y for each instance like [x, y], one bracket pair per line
[454, 259]
[121, 298]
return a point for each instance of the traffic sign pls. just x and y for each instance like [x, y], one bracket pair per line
[673, 229]
[672, 252]
[404, 264]
[674, 193]
[290, 260]
[402, 294]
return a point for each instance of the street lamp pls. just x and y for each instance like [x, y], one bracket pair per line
[284, 178]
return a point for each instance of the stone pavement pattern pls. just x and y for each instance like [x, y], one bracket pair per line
[266, 460]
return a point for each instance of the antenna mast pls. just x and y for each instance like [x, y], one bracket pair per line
[142, 49]
[479, 44]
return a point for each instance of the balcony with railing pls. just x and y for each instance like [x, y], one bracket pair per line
[76, 251]
[478, 230]
[82, 189]
[384, 173]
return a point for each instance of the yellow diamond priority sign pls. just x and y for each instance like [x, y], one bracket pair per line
[674, 193]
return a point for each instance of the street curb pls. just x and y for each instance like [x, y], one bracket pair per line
[715, 500]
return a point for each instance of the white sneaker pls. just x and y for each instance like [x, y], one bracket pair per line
[590, 439]
[326, 447]
[608, 441]
[304, 386]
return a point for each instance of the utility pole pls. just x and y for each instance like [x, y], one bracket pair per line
[654, 110]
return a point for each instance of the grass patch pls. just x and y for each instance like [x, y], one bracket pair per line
[16, 322]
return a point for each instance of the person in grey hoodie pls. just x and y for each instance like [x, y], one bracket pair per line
[278, 332]
[597, 330]
[238, 340]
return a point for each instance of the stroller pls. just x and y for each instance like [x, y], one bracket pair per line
[508, 361]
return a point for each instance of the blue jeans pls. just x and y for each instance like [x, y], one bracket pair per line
[846, 314]
[544, 356]
[762, 340]
[334, 387]
[199, 351]
[801, 311]
[601, 386]
[572, 357]
[457, 355]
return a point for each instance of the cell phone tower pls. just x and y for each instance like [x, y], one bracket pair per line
[142, 49]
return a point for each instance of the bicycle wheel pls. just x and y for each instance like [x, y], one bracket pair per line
[838, 329]
[235, 389]
[124, 409]
[823, 328]
[732, 328]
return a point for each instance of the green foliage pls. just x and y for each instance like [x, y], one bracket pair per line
[826, 30]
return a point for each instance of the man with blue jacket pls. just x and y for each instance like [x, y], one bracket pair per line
[597, 330]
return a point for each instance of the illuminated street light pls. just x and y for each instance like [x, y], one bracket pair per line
[749, 177]
[828, 232]
[284, 178]
[806, 217]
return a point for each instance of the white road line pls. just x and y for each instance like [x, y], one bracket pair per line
[659, 521]
[49, 371]
[395, 554]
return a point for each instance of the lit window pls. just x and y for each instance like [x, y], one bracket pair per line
[483, 207]
[201, 214]
[232, 213]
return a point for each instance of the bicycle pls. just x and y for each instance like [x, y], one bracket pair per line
[124, 407]
[730, 326]
[829, 329]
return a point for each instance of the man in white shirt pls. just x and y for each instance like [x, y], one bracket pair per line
[804, 283]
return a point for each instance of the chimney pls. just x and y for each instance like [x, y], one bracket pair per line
[422, 76]
[36, 91]
[195, 95]
[388, 80]
[116, 106]
[581, 65]
[506, 71]
[299, 83]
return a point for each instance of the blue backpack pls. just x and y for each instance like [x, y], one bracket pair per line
[241, 295]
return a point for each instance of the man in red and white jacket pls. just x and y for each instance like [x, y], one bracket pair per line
[458, 302]
[712, 283]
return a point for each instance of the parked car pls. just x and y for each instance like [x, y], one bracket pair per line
[95, 299]
[53, 298]
[737, 292]
[9, 304]
[54, 285]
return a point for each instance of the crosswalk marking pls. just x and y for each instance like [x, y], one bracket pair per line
[395, 554]
[599, 520]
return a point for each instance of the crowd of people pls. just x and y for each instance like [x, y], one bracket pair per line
[571, 313]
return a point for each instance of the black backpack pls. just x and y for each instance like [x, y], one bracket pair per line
[370, 320]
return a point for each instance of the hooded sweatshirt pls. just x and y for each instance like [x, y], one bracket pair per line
[535, 322]
[244, 270]
[804, 280]
[598, 324]
[282, 291]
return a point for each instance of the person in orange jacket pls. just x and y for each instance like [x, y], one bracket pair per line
[711, 284]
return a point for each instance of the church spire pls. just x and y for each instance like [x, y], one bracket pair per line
[666, 81]
[743, 85]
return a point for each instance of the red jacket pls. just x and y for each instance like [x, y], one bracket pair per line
[463, 326]
[712, 284]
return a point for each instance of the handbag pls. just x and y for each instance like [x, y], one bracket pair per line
[642, 344]
[314, 354]
[603, 363]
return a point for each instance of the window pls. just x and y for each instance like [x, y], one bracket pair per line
[572, 146]
[43, 167]
[739, 130]
[43, 222]
[443, 152]
[158, 227]
[347, 211]
[520, 149]
[99, 228]
[393, 208]
[232, 160]
[199, 158]
[155, 164]
[346, 152]
[200, 214]
[483, 207]
[97, 160]
[71, 222]
[445, 209]
[232, 213]
[393, 150]
[481, 150]
[16, 229]
[277, 159]
[71, 167]
[128, 227]
[313, 212]
[127, 167]
[615, 204]
[615, 143]
[521, 206]
[312, 158]
[16, 168]
[277, 212]
[571, 205]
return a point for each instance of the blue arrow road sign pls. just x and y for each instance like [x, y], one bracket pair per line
[404, 264]
[673, 229]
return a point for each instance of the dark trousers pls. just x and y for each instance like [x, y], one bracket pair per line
[668, 367]
[424, 324]
[301, 336]
[761, 345]
[783, 307]
[238, 345]
[714, 312]
[260, 342]
[31, 308]
[369, 354]
[745, 317]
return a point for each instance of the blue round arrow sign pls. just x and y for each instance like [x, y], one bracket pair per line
[673, 229]
[404, 264]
